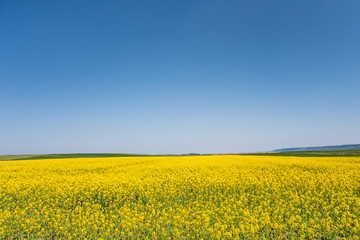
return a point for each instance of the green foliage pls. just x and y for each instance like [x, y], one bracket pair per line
[71, 155]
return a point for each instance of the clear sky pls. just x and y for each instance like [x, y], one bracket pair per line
[178, 76]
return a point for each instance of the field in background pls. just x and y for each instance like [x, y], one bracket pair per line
[181, 197]
[343, 153]
[13, 157]
[67, 155]
[333, 153]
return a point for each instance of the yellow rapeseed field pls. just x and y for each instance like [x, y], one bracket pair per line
[188, 197]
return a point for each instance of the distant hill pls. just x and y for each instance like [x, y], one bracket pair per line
[322, 148]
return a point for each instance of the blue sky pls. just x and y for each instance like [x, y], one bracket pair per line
[178, 76]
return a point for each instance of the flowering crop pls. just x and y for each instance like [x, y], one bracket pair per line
[187, 197]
